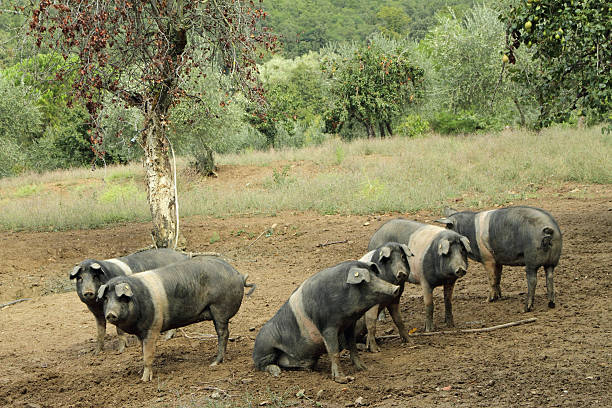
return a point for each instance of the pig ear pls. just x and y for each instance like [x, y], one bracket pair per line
[449, 211]
[449, 223]
[75, 271]
[102, 291]
[357, 275]
[443, 247]
[385, 252]
[407, 250]
[466, 244]
[123, 289]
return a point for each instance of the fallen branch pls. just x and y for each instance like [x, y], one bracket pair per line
[483, 329]
[327, 243]
[271, 229]
[12, 302]
[202, 336]
[194, 254]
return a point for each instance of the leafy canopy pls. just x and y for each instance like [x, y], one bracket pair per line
[571, 41]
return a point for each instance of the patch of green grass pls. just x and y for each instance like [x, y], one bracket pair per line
[28, 190]
[215, 237]
[120, 193]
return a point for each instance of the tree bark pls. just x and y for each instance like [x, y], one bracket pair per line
[159, 181]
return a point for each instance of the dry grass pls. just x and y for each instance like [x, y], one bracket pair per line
[364, 176]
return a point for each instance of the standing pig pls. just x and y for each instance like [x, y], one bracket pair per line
[521, 235]
[173, 296]
[91, 274]
[393, 261]
[320, 317]
[440, 258]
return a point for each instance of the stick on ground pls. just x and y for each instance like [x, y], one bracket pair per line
[483, 329]
[12, 302]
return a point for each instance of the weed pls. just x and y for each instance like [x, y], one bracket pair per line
[340, 154]
[214, 237]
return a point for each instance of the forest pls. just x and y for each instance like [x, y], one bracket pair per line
[347, 69]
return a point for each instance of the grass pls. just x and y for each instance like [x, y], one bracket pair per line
[363, 176]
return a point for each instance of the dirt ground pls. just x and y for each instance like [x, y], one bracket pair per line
[564, 359]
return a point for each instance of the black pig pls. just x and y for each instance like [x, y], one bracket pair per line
[393, 261]
[91, 274]
[320, 317]
[440, 258]
[198, 289]
[518, 236]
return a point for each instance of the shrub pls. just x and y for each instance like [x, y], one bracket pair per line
[412, 125]
[448, 123]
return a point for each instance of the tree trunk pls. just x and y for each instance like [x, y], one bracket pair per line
[370, 130]
[159, 181]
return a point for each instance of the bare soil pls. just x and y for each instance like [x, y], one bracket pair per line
[564, 359]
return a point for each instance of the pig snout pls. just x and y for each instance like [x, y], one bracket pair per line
[112, 317]
[89, 295]
[460, 272]
[384, 288]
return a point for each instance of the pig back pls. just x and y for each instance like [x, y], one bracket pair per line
[524, 235]
[396, 230]
[194, 290]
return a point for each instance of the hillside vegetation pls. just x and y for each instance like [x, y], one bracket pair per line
[337, 177]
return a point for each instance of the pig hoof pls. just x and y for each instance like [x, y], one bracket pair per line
[551, 304]
[343, 379]
[274, 370]
[147, 375]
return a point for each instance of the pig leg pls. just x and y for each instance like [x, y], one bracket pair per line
[148, 352]
[101, 325]
[448, 303]
[351, 345]
[330, 338]
[370, 321]
[550, 287]
[531, 285]
[429, 308]
[122, 340]
[494, 271]
[394, 311]
[222, 329]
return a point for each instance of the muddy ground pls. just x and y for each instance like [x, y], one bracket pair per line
[563, 359]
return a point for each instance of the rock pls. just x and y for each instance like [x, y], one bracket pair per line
[246, 380]
[365, 224]
[264, 403]
[215, 395]
[33, 405]
[251, 329]
[447, 388]
[360, 403]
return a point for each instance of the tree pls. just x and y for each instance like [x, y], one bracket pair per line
[464, 61]
[394, 22]
[142, 52]
[371, 83]
[571, 42]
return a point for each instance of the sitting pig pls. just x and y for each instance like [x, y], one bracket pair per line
[521, 235]
[320, 317]
[91, 274]
[440, 258]
[393, 260]
[198, 289]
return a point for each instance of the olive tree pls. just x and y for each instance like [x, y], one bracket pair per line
[142, 53]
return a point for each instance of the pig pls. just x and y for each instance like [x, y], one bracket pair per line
[91, 274]
[518, 236]
[392, 258]
[440, 258]
[173, 296]
[320, 317]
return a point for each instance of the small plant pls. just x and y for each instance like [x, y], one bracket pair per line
[214, 237]
[340, 154]
[281, 177]
[412, 126]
